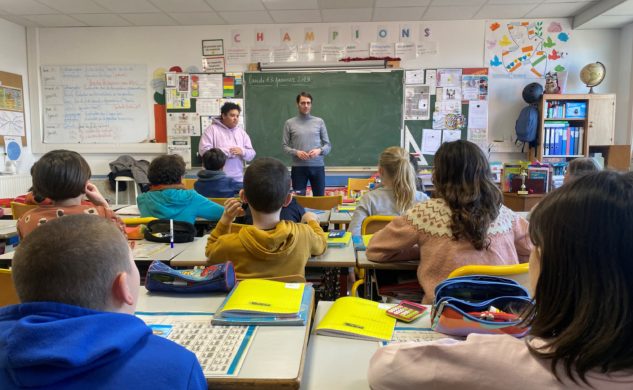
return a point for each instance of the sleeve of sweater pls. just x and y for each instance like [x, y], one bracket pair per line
[325, 140]
[397, 241]
[317, 239]
[287, 142]
[362, 211]
[207, 209]
[249, 152]
[522, 241]
[213, 244]
[111, 215]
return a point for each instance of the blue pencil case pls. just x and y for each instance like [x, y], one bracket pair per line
[214, 278]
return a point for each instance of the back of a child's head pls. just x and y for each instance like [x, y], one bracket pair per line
[580, 167]
[213, 159]
[60, 174]
[584, 291]
[72, 260]
[166, 169]
[396, 165]
[266, 184]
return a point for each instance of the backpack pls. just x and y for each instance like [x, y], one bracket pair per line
[159, 230]
[526, 127]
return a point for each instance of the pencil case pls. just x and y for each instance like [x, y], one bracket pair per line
[479, 304]
[214, 278]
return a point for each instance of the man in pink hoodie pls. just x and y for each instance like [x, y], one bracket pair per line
[226, 134]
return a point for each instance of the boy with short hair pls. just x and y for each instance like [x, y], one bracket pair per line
[212, 180]
[74, 329]
[271, 248]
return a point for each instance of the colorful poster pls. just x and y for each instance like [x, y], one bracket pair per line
[475, 84]
[11, 99]
[526, 49]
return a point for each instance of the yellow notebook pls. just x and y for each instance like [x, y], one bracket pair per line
[346, 207]
[264, 297]
[366, 238]
[357, 318]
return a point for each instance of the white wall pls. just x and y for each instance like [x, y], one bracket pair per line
[461, 44]
[624, 82]
[13, 60]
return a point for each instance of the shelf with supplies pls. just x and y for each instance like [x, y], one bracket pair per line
[571, 123]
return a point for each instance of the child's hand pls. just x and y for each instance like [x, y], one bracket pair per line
[309, 216]
[93, 195]
[232, 209]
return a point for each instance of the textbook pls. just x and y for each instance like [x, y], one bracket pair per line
[267, 303]
[346, 207]
[357, 318]
[339, 242]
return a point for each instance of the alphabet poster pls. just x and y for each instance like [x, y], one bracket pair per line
[527, 48]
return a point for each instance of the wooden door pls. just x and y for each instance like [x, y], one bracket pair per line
[601, 119]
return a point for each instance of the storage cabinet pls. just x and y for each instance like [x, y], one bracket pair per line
[570, 123]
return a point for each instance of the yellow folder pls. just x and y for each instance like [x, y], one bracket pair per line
[357, 318]
[260, 296]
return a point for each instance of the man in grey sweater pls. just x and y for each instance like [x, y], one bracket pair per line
[305, 139]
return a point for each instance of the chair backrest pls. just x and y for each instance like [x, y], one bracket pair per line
[518, 272]
[8, 295]
[357, 185]
[219, 201]
[373, 223]
[18, 209]
[319, 202]
[188, 183]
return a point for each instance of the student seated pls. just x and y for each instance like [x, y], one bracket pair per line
[465, 224]
[168, 198]
[63, 177]
[397, 194]
[293, 212]
[579, 167]
[212, 181]
[581, 336]
[270, 247]
[75, 327]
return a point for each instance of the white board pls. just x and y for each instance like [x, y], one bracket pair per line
[94, 104]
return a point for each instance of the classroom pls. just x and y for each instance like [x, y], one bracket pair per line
[173, 59]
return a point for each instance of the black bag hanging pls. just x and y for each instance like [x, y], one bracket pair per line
[159, 230]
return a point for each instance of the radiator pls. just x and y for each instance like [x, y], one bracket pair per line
[14, 185]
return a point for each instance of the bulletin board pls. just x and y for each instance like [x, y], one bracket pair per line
[12, 121]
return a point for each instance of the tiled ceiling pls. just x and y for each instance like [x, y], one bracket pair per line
[117, 13]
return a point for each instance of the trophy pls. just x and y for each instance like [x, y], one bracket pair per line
[523, 190]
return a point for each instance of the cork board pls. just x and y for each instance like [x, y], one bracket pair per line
[12, 120]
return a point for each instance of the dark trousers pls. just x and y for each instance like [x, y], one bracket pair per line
[301, 175]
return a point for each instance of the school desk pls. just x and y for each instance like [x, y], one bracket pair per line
[333, 257]
[342, 363]
[371, 266]
[341, 217]
[8, 228]
[323, 215]
[275, 358]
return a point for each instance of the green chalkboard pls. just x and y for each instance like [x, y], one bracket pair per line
[362, 111]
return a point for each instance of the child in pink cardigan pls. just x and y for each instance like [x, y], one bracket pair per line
[465, 224]
[581, 334]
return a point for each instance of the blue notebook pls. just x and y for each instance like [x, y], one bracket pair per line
[300, 319]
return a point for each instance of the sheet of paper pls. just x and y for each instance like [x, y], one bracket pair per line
[210, 86]
[405, 50]
[414, 76]
[430, 79]
[11, 123]
[478, 114]
[207, 107]
[381, 49]
[451, 93]
[220, 349]
[180, 124]
[449, 77]
[427, 48]
[404, 335]
[180, 146]
[431, 140]
[451, 135]
[416, 102]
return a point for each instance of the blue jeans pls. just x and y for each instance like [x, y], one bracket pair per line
[301, 175]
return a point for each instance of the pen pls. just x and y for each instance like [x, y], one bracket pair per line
[171, 233]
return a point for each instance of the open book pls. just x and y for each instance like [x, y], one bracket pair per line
[265, 302]
[357, 318]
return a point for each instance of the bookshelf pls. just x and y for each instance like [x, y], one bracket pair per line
[571, 123]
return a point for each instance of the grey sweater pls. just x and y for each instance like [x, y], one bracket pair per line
[306, 132]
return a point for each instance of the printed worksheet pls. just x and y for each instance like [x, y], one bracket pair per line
[220, 349]
[405, 335]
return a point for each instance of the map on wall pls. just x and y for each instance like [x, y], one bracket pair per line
[526, 49]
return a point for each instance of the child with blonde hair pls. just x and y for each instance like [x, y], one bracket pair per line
[397, 194]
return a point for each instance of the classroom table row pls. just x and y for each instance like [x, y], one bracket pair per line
[283, 356]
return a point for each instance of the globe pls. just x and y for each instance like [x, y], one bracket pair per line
[593, 74]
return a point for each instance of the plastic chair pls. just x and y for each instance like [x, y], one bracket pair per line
[8, 295]
[373, 223]
[134, 221]
[518, 272]
[219, 201]
[18, 209]
[188, 183]
[357, 185]
[131, 182]
[319, 202]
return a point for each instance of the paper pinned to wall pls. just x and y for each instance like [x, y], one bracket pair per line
[416, 102]
[11, 123]
[431, 140]
[182, 147]
[208, 107]
[451, 135]
[414, 76]
[478, 114]
[180, 124]
[210, 86]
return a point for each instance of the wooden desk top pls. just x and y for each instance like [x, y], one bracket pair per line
[275, 358]
[363, 262]
[342, 363]
[8, 228]
[341, 217]
[333, 257]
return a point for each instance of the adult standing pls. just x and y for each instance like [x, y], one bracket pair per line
[226, 134]
[305, 139]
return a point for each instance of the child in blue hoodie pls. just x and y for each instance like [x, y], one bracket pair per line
[74, 329]
[212, 180]
[168, 198]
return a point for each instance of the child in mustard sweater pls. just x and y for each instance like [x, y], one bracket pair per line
[270, 248]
